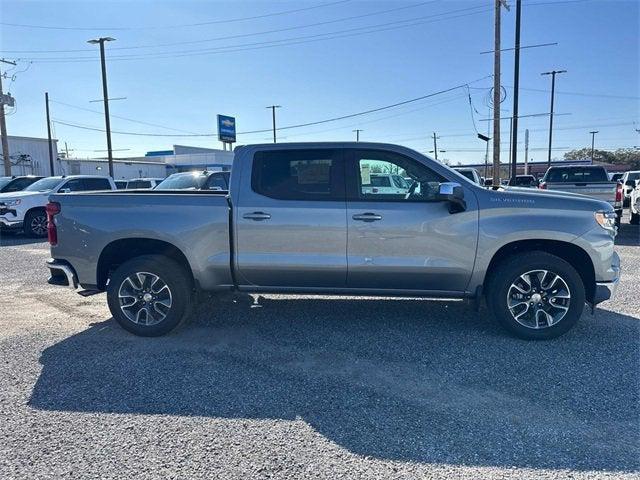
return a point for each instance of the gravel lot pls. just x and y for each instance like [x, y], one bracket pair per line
[321, 387]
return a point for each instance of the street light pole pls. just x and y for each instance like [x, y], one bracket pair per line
[273, 118]
[593, 140]
[553, 74]
[105, 96]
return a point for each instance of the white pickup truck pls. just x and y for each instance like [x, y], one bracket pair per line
[25, 210]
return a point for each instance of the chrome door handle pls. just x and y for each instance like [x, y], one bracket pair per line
[367, 217]
[257, 216]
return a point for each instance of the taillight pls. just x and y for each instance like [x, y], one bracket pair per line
[53, 208]
[543, 186]
[619, 192]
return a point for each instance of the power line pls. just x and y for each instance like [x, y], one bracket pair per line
[243, 35]
[350, 32]
[161, 27]
[288, 127]
[120, 117]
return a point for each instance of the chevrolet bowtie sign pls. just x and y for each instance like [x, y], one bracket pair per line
[226, 129]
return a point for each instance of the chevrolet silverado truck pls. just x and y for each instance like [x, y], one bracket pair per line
[591, 180]
[25, 210]
[303, 218]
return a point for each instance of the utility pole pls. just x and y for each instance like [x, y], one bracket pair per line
[3, 127]
[435, 145]
[593, 140]
[358, 130]
[510, 151]
[273, 117]
[516, 85]
[526, 151]
[553, 74]
[497, 90]
[46, 101]
[105, 96]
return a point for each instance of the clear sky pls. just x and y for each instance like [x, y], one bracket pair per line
[320, 63]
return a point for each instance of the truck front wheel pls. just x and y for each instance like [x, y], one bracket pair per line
[35, 223]
[536, 295]
[150, 295]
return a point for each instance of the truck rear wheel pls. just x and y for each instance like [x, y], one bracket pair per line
[536, 295]
[150, 295]
[635, 218]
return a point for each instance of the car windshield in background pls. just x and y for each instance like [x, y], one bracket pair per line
[576, 175]
[193, 181]
[44, 185]
[521, 180]
[4, 181]
[467, 173]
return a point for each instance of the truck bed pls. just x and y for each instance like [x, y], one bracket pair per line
[196, 222]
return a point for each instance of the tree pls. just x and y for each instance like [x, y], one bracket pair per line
[624, 156]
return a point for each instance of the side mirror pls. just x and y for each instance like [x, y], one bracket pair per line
[64, 190]
[453, 193]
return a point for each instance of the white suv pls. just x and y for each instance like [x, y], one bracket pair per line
[25, 210]
[628, 184]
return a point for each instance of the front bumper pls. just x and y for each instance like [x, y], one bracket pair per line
[62, 274]
[606, 290]
[10, 223]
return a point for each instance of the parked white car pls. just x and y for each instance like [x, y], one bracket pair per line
[634, 204]
[471, 173]
[25, 210]
[386, 183]
[628, 184]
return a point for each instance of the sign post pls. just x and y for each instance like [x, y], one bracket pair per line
[226, 131]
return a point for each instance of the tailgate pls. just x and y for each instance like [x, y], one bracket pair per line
[600, 191]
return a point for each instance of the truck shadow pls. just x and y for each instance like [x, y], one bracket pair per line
[409, 380]
[628, 235]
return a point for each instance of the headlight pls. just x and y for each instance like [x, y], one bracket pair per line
[606, 220]
[12, 203]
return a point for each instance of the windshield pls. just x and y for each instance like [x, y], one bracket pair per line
[4, 181]
[182, 181]
[44, 185]
[577, 175]
[634, 176]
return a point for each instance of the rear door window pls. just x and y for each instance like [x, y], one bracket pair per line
[313, 174]
[90, 184]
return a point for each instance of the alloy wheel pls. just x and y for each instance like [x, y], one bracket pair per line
[145, 298]
[538, 299]
[38, 225]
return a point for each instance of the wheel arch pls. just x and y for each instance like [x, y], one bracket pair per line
[577, 257]
[119, 251]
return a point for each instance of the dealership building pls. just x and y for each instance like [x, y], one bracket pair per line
[30, 156]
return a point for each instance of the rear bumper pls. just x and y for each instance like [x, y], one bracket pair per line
[606, 290]
[62, 274]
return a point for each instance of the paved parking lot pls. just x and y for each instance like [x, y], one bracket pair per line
[321, 387]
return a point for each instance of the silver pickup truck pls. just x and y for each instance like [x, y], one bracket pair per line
[590, 180]
[303, 218]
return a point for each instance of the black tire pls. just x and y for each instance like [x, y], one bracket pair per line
[171, 274]
[635, 218]
[508, 271]
[35, 223]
